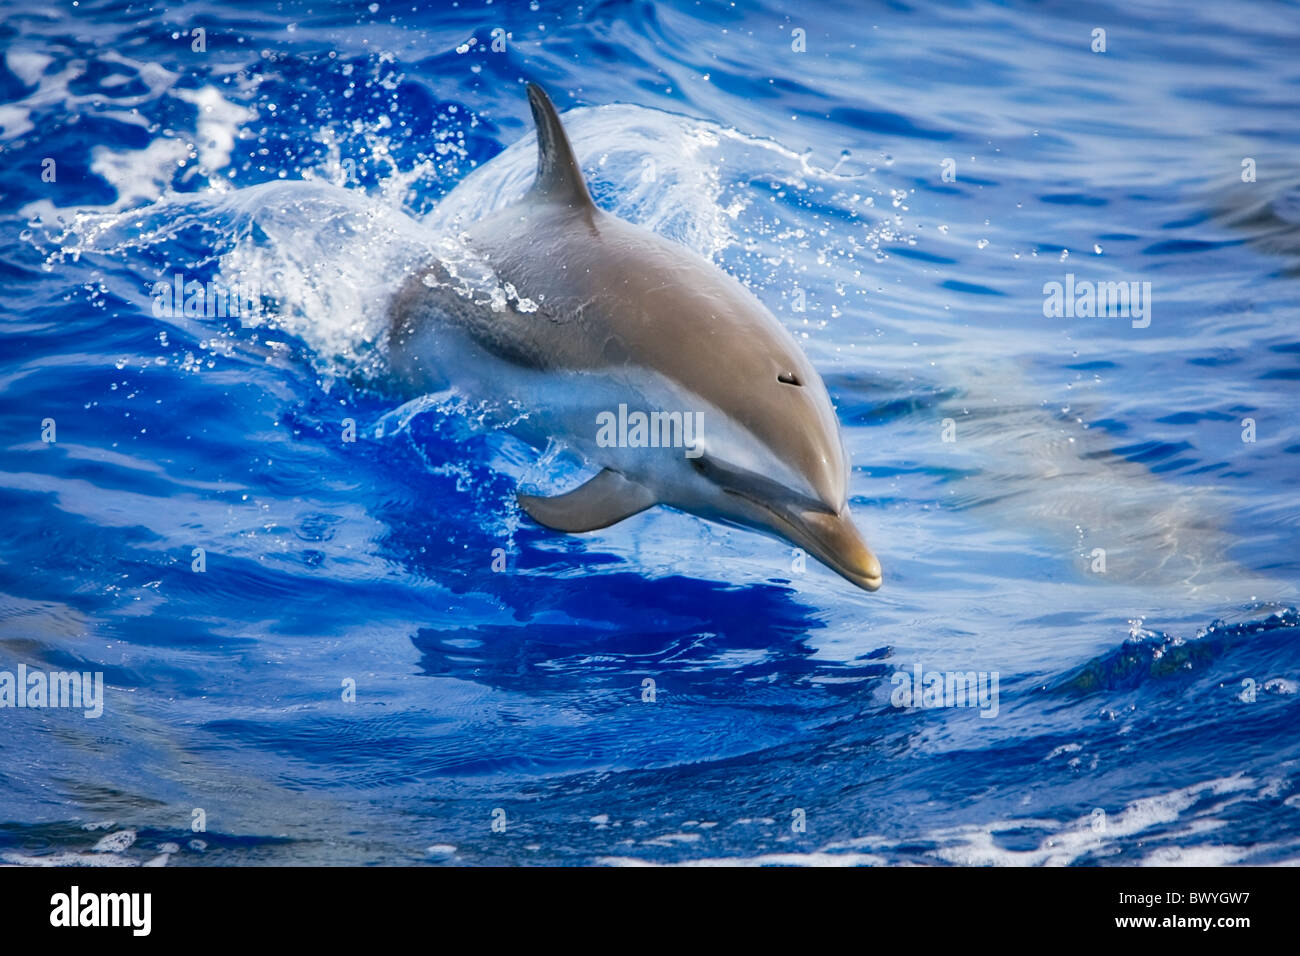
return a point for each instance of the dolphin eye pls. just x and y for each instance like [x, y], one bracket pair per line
[789, 378]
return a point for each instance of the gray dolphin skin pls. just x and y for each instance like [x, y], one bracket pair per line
[640, 355]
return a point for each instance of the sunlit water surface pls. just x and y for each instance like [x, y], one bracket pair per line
[1146, 712]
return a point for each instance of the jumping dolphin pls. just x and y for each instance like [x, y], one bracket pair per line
[576, 316]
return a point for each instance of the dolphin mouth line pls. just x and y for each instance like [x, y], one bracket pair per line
[768, 508]
[871, 583]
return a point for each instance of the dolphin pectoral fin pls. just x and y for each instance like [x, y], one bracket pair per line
[604, 500]
[559, 178]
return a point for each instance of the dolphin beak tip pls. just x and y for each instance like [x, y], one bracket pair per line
[869, 576]
[837, 541]
[857, 561]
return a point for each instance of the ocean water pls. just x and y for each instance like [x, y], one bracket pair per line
[382, 661]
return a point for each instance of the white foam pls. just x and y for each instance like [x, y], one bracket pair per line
[814, 858]
[1063, 844]
[54, 88]
[115, 842]
[1060, 844]
[109, 850]
[1217, 855]
[27, 65]
[220, 123]
[138, 174]
[67, 859]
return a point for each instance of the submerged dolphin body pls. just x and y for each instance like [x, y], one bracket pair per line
[583, 317]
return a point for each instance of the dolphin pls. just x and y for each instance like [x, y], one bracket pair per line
[573, 316]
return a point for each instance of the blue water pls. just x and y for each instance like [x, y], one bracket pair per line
[1147, 712]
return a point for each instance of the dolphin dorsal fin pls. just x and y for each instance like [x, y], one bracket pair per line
[559, 178]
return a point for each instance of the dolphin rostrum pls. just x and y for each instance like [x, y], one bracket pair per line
[640, 355]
